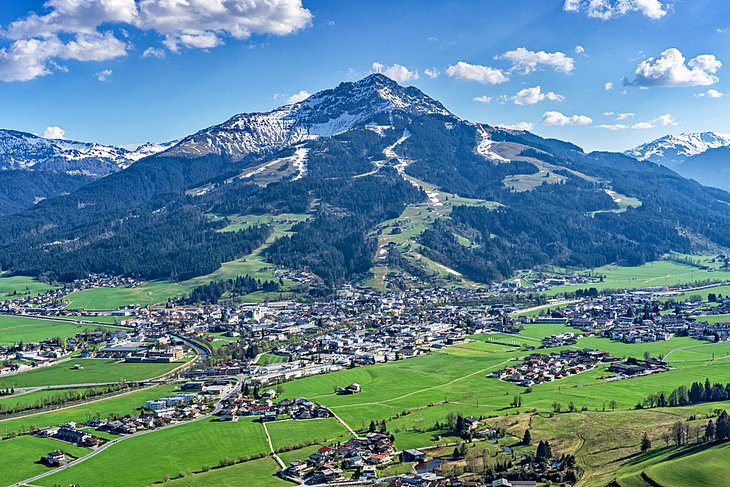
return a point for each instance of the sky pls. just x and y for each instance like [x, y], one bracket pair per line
[604, 74]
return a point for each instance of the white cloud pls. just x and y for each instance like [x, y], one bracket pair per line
[612, 126]
[661, 121]
[103, 75]
[432, 72]
[711, 93]
[476, 72]
[516, 126]
[154, 52]
[483, 99]
[396, 72]
[580, 50]
[297, 97]
[624, 116]
[557, 118]
[525, 61]
[530, 96]
[202, 24]
[608, 86]
[669, 69]
[53, 132]
[610, 9]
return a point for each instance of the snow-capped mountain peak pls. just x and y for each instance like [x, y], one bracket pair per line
[672, 150]
[22, 150]
[323, 114]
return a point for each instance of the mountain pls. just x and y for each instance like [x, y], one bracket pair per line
[699, 156]
[383, 180]
[672, 150]
[34, 168]
[21, 150]
[321, 115]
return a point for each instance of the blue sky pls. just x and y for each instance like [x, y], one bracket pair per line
[129, 71]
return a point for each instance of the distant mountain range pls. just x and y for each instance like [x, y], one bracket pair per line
[34, 168]
[389, 181]
[704, 156]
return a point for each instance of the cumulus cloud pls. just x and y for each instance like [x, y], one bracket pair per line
[530, 96]
[297, 97]
[525, 61]
[203, 24]
[103, 75]
[580, 50]
[483, 99]
[610, 9]
[558, 119]
[53, 132]
[475, 72]
[516, 126]
[624, 116]
[396, 72]
[608, 86]
[432, 72]
[154, 52]
[612, 126]
[711, 93]
[670, 69]
[661, 121]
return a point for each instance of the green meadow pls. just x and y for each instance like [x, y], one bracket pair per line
[652, 274]
[14, 329]
[119, 405]
[286, 434]
[93, 371]
[19, 457]
[257, 473]
[38, 397]
[164, 453]
[14, 286]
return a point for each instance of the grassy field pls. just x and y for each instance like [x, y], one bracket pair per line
[651, 274]
[270, 358]
[257, 473]
[36, 398]
[119, 405]
[458, 379]
[94, 371]
[285, 434]
[185, 448]
[13, 286]
[14, 329]
[703, 465]
[19, 457]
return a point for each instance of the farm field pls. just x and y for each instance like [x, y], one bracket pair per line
[458, 379]
[22, 285]
[19, 457]
[14, 329]
[257, 473]
[94, 371]
[704, 466]
[34, 398]
[184, 448]
[651, 274]
[270, 358]
[286, 434]
[120, 405]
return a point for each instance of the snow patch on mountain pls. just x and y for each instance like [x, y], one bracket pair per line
[24, 151]
[323, 114]
[671, 150]
[484, 146]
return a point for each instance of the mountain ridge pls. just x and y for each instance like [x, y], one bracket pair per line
[357, 162]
